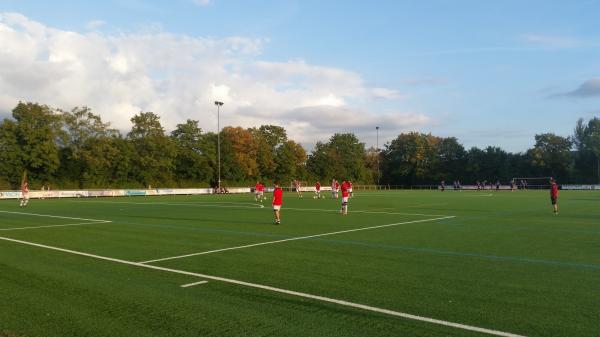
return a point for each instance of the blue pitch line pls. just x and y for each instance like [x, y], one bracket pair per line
[384, 246]
[463, 254]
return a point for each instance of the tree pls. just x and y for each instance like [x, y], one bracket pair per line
[451, 159]
[551, 154]
[489, 164]
[268, 139]
[586, 139]
[155, 153]
[85, 150]
[191, 162]
[37, 132]
[291, 161]
[11, 164]
[238, 154]
[372, 164]
[342, 158]
[409, 159]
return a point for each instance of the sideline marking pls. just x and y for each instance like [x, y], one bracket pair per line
[293, 239]
[193, 284]
[66, 225]
[280, 290]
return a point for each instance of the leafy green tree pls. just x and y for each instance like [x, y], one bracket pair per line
[191, 163]
[451, 160]
[586, 139]
[11, 164]
[489, 164]
[82, 159]
[268, 139]
[37, 132]
[291, 161]
[154, 159]
[342, 158]
[409, 159]
[551, 154]
[372, 164]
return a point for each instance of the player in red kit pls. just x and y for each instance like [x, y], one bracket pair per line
[277, 202]
[554, 195]
[345, 195]
[317, 190]
[259, 191]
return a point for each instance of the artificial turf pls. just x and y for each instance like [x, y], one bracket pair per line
[504, 262]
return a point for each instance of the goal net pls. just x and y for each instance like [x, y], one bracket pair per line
[525, 183]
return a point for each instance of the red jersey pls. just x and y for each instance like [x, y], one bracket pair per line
[25, 188]
[259, 187]
[277, 196]
[337, 185]
[554, 190]
[318, 186]
[345, 187]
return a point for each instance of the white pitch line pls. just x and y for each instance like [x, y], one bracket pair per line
[193, 284]
[51, 216]
[280, 290]
[293, 239]
[192, 204]
[65, 225]
[361, 211]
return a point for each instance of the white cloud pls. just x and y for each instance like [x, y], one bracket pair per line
[552, 41]
[95, 24]
[385, 93]
[179, 77]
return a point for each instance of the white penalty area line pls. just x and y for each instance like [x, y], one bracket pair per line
[87, 221]
[294, 239]
[193, 284]
[278, 290]
[51, 216]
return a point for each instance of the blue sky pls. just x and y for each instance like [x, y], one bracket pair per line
[489, 73]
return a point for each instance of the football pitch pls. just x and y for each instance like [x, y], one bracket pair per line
[402, 263]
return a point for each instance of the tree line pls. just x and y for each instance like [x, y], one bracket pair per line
[76, 149]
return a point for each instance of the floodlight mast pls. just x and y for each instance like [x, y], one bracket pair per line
[378, 171]
[219, 105]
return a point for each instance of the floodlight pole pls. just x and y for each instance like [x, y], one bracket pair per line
[219, 104]
[378, 172]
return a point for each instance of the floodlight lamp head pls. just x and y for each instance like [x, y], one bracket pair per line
[218, 103]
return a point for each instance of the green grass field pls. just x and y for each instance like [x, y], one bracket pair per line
[499, 261]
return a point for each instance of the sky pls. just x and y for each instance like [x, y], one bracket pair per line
[487, 72]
